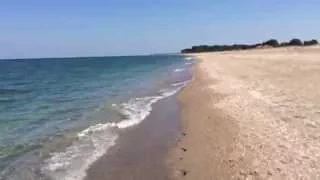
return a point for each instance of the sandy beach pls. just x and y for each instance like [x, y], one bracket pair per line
[251, 115]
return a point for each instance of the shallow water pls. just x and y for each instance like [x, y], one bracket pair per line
[58, 116]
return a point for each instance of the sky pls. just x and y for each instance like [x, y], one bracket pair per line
[73, 28]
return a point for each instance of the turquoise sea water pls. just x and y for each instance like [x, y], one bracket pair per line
[57, 116]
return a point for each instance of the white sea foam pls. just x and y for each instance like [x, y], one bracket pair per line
[188, 63]
[94, 141]
[179, 70]
[188, 58]
[76, 159]
[179, 83]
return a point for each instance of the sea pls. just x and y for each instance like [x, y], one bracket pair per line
[60, 115]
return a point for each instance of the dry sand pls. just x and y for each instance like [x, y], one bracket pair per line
[251, 115]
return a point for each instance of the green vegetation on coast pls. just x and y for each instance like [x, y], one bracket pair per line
[269, 43]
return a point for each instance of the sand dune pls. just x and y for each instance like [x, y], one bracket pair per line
[251, 115]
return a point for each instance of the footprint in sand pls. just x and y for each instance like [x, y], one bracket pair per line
[184, 172]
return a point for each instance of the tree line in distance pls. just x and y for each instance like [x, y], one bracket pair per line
[269, 43]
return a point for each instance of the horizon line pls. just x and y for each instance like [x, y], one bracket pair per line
[74, 57]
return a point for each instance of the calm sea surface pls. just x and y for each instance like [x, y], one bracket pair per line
[57, 116]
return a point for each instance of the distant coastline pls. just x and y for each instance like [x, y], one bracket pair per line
[270, 43]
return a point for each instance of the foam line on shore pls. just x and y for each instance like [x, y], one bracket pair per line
[94, 141]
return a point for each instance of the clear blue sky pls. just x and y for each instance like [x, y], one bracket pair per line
[41, 28]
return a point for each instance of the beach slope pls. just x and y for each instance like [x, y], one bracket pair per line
[251, 115]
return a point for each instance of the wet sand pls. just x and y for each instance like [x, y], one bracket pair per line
[251, 115]
[141, 150]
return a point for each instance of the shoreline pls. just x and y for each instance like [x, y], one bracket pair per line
[186, 159]
[250, 115]
[140, 151]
